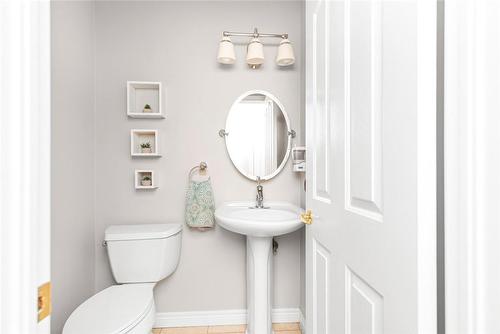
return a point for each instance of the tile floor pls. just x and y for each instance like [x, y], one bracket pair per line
[285, 328]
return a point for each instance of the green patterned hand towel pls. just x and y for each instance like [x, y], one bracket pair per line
[200, 205]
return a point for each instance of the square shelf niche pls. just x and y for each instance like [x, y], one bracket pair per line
[140, 93]
[140, 137]
[141, 179]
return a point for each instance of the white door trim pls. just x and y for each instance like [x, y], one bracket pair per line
[459, 177]
[24, 163]
[427, 166]
[471, 166]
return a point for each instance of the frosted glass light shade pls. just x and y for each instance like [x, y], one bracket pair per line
[285, 56]
[255, 53]
[226, 53]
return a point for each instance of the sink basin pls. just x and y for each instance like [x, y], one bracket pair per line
[260, 226]
[276, 219]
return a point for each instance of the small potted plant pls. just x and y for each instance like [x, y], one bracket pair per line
[147, 108]
[146, 181]
[146, 147]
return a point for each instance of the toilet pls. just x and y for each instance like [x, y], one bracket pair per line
[140, 256]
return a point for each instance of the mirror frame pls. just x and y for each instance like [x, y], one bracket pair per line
[289, 134]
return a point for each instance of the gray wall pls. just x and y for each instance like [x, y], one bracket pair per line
[96, 48]
[176, 43]
[72, 157]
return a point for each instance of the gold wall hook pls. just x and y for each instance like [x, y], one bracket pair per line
[307, 217]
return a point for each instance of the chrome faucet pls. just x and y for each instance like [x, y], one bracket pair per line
[260, 195]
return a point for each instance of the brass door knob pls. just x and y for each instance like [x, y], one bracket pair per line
[44, 301]
[307, 217]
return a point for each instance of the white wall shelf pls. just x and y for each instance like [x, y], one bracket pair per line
[141, 137]
[139, 181]
[140, 93]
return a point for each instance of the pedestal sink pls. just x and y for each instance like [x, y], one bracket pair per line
[260, 226]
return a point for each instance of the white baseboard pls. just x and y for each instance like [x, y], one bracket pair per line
[221, 317]
[302, 322]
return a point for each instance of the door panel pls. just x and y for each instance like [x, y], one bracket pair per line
[364, 306]
[364, 137]
[321, 102]
[321, 283]
[363, 77]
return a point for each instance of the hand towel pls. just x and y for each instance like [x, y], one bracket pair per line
[200, 204]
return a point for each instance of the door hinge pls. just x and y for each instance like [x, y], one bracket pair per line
[44, 301]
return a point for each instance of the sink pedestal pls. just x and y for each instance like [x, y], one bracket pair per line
[260, 226]
[259, 284]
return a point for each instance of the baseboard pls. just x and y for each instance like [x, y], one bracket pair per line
[302, 322]
[221, 317]
[281, 315]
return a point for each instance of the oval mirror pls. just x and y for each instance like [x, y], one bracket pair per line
[258, 135]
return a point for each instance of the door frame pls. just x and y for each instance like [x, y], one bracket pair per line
[427, 166]
[24, 164]
[471, 163]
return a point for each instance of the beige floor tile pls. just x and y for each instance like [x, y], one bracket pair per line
[185, 330]
[282, 328]
[227, 329]
[292, 326]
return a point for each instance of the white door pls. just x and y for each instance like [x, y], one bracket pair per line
[24, 167]
[370, 96]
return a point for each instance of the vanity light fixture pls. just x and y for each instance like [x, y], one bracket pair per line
[255, 49]
[285, 56]
[255, 53]
[226, 51]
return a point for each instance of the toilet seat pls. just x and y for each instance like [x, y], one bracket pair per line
[115, 310]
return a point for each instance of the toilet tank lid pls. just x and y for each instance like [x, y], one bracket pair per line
[141, 232]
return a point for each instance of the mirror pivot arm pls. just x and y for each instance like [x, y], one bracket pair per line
[223, 133]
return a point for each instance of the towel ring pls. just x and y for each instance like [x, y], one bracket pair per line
[202, 167]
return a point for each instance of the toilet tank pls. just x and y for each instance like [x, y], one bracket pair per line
[143, 253]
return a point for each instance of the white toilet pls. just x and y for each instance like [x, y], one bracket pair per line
[140, 256]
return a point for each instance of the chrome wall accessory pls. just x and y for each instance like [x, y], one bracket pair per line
[223, 133]
[254, 34]
[201, 168]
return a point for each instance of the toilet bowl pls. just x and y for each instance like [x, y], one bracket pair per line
[140, 256]
[127, 308]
